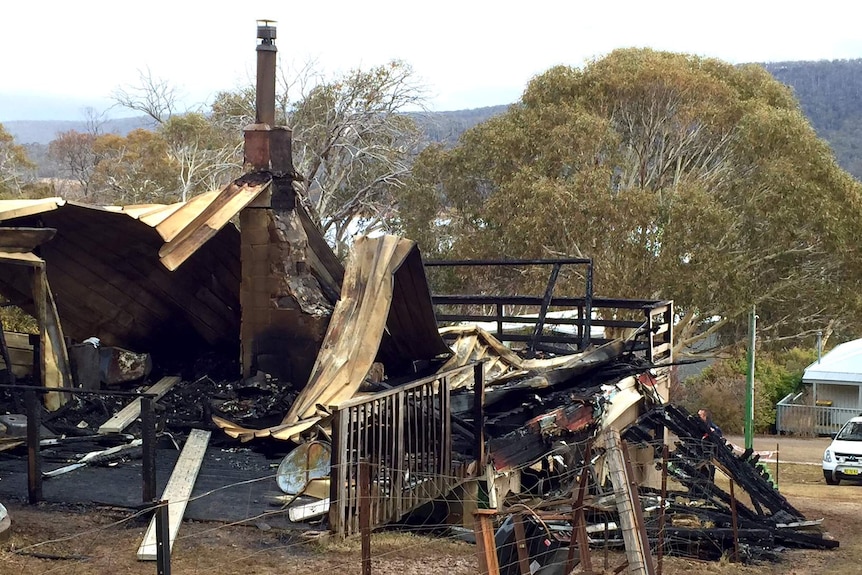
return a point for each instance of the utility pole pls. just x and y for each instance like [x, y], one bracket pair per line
[749, 390]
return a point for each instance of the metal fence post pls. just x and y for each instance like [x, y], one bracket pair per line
[163, 539]
[148, 441]
[34, 458]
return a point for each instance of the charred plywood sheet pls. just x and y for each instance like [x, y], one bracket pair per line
[103, 266]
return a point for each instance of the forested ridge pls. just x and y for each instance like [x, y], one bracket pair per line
[830, 94]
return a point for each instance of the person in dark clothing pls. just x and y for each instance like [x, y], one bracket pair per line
[706, 417]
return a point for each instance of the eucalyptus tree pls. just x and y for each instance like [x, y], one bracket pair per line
[15, 166]
[352, 143]
[684, 178]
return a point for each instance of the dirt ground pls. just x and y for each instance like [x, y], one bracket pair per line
[95, 541]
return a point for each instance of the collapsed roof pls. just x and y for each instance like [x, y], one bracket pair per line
[103, 268]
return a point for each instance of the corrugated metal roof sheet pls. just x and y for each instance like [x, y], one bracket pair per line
[104, 269]
[841, 365]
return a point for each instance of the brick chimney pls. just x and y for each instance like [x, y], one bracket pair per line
[285, 312]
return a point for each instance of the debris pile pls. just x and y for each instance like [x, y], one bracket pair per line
[705, 513]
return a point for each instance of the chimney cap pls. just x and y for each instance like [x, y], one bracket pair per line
[266, 30]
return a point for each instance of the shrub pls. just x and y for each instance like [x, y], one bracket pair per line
[721, 387]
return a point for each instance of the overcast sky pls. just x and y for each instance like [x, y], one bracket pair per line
[58, 56]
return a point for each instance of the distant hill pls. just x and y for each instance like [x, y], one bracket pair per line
[829, 93]
[44, 131]
[447, 127]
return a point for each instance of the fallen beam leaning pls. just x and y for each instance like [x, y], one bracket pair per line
[177, 491]
[131, 412]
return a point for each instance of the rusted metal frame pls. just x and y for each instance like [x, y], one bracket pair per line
[579, 522]
[636, 507]
[558, 301]
[504, 263]
[734, 522]
[521, 545]
[401, 388]
[402, 433]
[587, 313]
[662, 514]
[543, 308]
[365, 514]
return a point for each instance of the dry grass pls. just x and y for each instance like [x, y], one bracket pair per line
[107, 544]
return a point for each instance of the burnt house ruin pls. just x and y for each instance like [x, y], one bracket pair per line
[369, 381]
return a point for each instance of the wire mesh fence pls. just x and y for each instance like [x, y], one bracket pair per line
[599, 504]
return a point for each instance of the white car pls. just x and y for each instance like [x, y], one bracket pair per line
[843, 458]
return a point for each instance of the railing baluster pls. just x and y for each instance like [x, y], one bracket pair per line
[405, 436]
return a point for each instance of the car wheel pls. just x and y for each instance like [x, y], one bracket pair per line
[830, 479]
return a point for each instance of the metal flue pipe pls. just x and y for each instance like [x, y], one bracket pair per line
[266, 61]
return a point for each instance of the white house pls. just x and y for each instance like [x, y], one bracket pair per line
[831, 395]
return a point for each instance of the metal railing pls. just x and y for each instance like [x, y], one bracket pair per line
[811, 419]
[545, 326]
[33, 437]
[405, 436]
